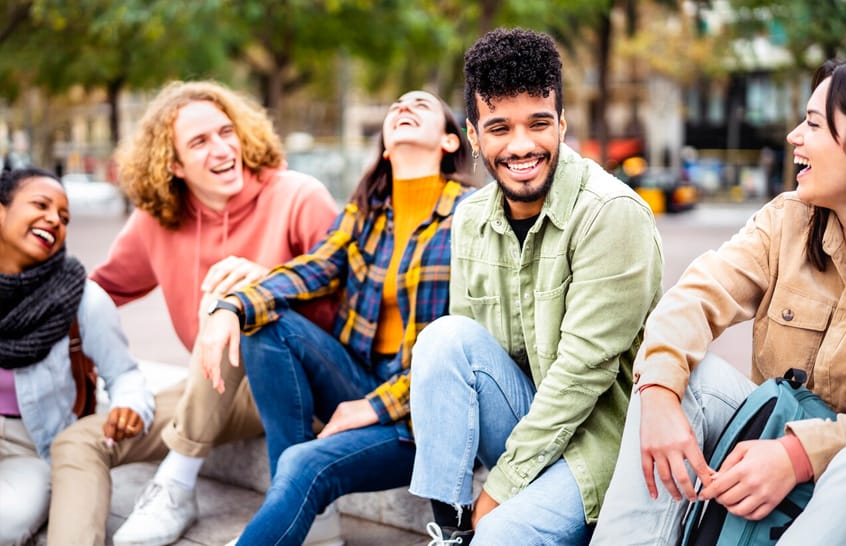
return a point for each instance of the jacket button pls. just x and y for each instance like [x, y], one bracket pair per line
[787, 314]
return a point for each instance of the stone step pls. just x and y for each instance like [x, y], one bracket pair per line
[231, 488]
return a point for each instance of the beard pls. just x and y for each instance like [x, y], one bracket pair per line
[525, 193]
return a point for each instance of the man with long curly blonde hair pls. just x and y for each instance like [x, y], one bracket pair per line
[216, 207]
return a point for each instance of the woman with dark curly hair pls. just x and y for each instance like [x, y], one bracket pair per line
[216, 207]
[43, 290]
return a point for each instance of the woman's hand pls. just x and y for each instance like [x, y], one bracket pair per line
[122, 423]
[350, 415]
[231, 274]
[666, 442]
[219, 331]
[754, 479]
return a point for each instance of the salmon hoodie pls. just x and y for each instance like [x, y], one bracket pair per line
[278, 215]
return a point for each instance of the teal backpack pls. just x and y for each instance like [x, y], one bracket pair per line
[762, 415]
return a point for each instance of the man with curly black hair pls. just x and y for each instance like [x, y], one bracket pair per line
[554, 270]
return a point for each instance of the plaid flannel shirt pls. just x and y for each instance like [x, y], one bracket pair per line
[353, 259]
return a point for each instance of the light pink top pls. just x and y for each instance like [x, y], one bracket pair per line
[8, 397]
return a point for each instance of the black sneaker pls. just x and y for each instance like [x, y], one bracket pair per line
[447, 536]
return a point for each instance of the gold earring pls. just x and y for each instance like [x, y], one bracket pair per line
[386, 155]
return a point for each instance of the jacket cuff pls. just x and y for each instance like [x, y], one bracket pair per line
[379, 407]
[798, 458]
[821, 440]
[499, 486]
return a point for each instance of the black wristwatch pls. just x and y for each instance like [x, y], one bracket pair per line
[222, 304]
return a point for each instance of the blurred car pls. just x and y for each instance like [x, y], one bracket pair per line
[660, 188]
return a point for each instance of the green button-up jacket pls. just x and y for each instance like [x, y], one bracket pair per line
[571, 303]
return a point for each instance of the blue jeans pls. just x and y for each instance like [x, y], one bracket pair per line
[296, 371]
[629, 515]
[467, 395]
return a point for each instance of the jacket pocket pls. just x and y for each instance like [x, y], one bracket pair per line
[795, 328]
[487, 311]
[549, 311]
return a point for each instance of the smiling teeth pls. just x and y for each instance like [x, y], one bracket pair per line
[801, 161]
[523, 166]
[46, 235]
[225, 167]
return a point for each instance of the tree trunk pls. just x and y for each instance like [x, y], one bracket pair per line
[603, 53]
[113, 89]
[486, 19]
[273, 97]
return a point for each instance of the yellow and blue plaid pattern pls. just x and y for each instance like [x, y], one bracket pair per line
[352, 260]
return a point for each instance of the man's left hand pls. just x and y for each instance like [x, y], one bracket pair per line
[755, 477]
[350, 415]
[484, 504]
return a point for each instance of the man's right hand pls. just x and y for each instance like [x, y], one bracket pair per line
[219, 331]
[666, 442]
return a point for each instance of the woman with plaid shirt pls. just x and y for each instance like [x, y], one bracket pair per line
[387, 258]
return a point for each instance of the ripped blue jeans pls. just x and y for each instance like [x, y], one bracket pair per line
[467, 395]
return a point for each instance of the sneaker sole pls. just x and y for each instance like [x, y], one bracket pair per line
[159, 541]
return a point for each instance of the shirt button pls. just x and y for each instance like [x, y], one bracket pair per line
[787, 314]
[541, 458]
[513, 490]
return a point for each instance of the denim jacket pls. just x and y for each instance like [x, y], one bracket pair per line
[571, 304]
[798, 312]
[46, 390]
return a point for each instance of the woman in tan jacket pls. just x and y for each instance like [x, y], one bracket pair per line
[786, 270]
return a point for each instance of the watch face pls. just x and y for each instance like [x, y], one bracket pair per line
[212, 307]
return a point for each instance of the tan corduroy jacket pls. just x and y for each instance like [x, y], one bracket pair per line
[799, 314]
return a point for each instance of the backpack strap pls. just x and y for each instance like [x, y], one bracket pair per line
[790, 508]
[796, 377]
[84, 375]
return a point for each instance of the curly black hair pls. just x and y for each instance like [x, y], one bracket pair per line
[508, 62]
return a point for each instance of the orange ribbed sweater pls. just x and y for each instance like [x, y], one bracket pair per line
[413, 201]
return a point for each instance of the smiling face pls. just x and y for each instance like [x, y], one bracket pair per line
[822, 178]
[518, 138]
[33, 225]
[416, 119]
[208, 153]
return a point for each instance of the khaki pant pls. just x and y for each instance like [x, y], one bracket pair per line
[190, 419]
[24, 484]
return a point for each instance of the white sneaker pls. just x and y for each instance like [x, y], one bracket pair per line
[326, 529]
[161, 515]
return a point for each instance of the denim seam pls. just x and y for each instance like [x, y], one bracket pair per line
[321, 473]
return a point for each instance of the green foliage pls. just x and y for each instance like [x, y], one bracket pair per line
[102, 43]
[810, 29]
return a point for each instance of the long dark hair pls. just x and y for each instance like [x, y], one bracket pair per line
[376, 183]
[835, 101]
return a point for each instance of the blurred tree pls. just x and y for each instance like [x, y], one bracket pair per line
[810, 30]
[290, 43]
[57, 44]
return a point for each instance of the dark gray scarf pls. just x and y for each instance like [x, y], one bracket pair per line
[37, 307]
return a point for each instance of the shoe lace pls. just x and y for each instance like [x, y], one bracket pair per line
[151, 496]
[437, 535]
